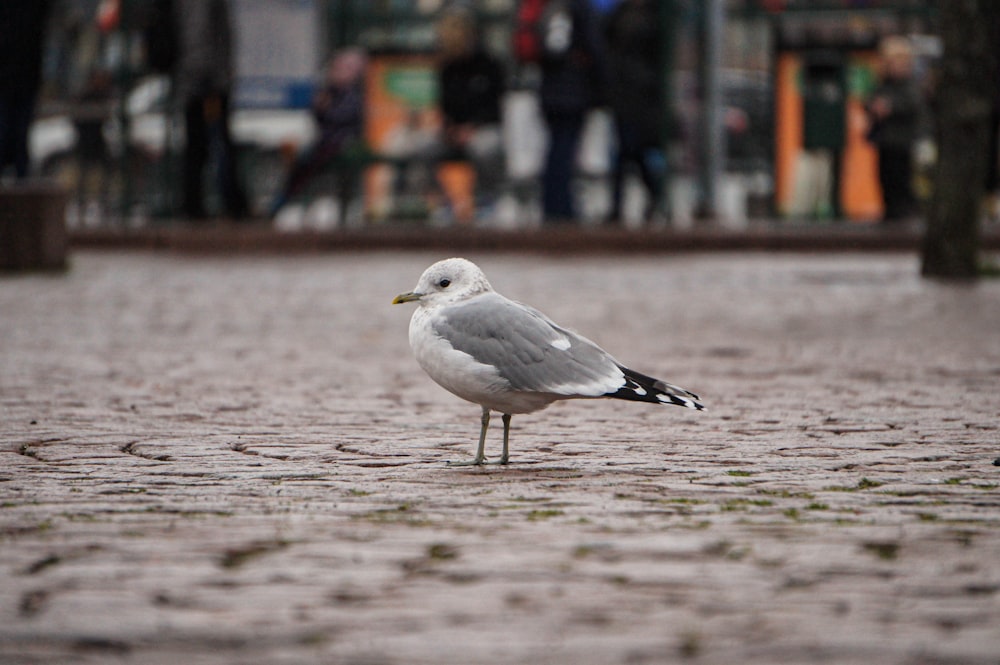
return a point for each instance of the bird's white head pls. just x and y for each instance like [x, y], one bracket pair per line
[447, 281]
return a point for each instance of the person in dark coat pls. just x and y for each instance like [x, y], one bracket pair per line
[471, 85]
[22, 31]
[993, 166]
[203, 75]
[894, 116]
[635, 94]
[339, 111]
[574, 70]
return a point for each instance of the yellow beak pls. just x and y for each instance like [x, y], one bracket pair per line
[407, 297]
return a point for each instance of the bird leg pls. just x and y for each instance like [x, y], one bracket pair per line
[505, 457]
[481, 451]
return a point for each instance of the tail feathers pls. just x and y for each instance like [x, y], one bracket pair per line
[641, 388]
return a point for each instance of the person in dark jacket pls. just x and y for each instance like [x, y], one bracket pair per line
[203, 76]
[574, 70]
[894, 115]
[339, 110]
[993, 166]
[471, 87]
[635, 94]
[22, 30]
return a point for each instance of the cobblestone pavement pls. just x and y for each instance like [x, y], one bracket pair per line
[237, 460]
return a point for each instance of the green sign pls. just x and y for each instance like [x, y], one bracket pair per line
[414, 86]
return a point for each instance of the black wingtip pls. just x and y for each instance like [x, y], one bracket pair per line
[680, 400]
[641, 388]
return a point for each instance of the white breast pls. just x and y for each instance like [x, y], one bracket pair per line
[464, 376]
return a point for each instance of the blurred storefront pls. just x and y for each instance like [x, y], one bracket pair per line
[825, 65]
[793, 75]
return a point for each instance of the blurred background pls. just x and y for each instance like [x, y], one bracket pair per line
[762, 105]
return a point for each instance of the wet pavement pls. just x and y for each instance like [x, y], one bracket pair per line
[236, 460]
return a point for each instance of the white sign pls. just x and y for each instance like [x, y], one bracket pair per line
[278, 49]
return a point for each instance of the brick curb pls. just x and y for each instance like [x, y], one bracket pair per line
[260, 238]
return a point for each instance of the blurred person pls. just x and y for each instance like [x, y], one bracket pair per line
[22, 30]
[564, 38]
[339, 111]
[203, 75]
[993, 165]
[471, 85]
[894, 111]
[464, 128]
[635, 95]
[92, 151]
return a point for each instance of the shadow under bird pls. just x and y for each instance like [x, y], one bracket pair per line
[509, 357]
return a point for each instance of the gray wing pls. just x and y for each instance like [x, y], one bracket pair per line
[527, 348]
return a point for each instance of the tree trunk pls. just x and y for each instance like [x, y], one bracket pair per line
[967, 89]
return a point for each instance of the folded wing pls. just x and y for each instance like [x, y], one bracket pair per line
[529, 351]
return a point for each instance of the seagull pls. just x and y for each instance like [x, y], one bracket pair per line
[510, 358]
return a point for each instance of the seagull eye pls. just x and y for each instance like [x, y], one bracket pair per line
[444, 283]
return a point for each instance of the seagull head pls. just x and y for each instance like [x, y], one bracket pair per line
[447, 281]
